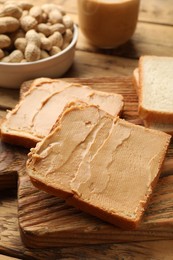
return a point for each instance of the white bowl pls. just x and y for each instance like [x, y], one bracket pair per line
[12, 75]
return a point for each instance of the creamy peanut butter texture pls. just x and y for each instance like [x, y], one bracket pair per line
[100, 160]
[41, 106]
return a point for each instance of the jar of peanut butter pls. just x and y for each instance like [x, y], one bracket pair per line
[108, 23]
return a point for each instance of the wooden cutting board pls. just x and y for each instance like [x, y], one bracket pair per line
[12, 162]
[47, 221]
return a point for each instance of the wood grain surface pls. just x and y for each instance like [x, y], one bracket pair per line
[12, 160]
[154, 35]
[46, 221]
[44, 218]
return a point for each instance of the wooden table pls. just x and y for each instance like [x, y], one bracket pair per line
[153, 36]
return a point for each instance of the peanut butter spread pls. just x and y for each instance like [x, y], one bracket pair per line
[41, 106]
[104, 161]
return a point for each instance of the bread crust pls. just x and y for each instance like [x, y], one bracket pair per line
[83, 206]
[49, 189]
[19, 140]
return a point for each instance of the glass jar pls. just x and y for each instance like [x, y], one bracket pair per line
[108, 23]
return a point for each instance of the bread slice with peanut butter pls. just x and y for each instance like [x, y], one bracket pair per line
[100, 164]
[37, 112]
